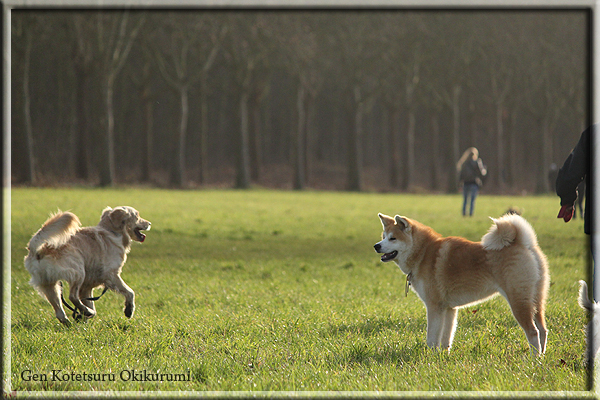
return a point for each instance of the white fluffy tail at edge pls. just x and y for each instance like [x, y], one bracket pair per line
[507, 230]
[55, 232]
[583, 300]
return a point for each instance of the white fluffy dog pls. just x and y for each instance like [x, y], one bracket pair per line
[85, 257]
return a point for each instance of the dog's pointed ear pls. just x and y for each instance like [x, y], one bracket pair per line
[402, 222]
[386, 220]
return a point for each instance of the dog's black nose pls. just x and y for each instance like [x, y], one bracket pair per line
[377, 247]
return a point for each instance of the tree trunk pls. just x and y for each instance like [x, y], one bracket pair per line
[203, 128]
[410, 151]
[436, 167]
[107, 174]
[453, 181]
[179, 176]
[500, 169]
[354, 149]
[31, 161]
[308, 136]
[254, 135]
[148, 142]
[542, 185]
[82, 132]
[298, 147]
[394, 154]
[243, 159]
[513, 145]
[145, 91]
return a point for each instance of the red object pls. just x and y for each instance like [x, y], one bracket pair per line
[566, 212]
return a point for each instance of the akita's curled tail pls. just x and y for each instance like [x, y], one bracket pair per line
[55, 232]
[507, 230]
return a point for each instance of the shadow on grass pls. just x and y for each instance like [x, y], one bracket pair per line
[374, 326]
[374, 350]
[396, 354]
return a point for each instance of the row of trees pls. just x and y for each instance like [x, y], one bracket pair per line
[384, 99]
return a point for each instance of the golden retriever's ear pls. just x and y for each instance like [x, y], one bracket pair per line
[117, 217]
[105, 212]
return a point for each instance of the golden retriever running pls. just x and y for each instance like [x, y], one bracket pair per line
[85, 257]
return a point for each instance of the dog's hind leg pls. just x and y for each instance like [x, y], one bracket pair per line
[52, 292]
[540, 323]
[74, 289]
[85, 293]
[540, 307]
[121, 287]
[524, 312]
[449, 328]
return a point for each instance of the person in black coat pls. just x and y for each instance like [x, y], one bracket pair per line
[576, 169]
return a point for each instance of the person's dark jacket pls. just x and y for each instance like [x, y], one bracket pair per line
[472, 172]
[576, 168]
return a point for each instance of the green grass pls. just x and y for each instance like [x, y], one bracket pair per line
[281, 291]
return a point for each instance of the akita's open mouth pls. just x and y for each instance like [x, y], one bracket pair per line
[389, 256]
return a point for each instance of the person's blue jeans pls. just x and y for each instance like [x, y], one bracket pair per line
[469, 194]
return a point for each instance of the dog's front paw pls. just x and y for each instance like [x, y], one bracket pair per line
[90, 313]
[129, 309]
[65, 322]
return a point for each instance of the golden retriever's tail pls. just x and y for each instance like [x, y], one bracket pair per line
[55, 232]
[507, 230]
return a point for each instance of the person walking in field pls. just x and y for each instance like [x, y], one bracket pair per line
[471, 173]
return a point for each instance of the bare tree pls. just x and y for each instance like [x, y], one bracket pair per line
[353, 45]
[142, 78]
[448, 70]
[25, 28]
[184, 61]
[117, 51]
[549, 87]
[86, 46]
[247, 47]
[102, 38]
[402, 69]
[496, 55]
[27, 107]
[295, 88]
[298, 51]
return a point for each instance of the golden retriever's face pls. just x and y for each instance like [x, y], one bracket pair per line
[127, 220]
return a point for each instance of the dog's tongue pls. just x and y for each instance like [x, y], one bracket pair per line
[140, 235]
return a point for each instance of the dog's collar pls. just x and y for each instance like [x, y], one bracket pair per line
[408, 278]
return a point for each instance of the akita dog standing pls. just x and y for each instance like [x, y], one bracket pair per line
[453, 272]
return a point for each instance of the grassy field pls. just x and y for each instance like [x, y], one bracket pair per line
[281, 291]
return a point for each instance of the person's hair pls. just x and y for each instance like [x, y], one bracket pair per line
[470, 152]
